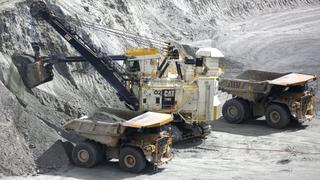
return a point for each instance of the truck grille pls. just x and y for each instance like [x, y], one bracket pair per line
[304, 103]
[307, 109]
[161, 147]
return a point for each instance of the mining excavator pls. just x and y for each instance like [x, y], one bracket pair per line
[176, 80]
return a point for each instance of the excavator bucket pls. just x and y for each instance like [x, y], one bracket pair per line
[32, 71]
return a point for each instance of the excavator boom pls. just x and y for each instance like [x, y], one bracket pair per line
[39, 72]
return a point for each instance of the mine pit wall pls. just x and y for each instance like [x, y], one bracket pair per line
[30, 120]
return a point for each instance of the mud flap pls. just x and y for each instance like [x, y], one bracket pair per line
[32, 72]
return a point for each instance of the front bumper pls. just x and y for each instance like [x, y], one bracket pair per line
[161, 153]
[305, 109]
[164, 160]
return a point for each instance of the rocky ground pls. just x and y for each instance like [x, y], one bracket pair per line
[274, 35]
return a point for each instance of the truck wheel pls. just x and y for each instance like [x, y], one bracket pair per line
[132, 159]
[234, 111]
[277, 116]
[87, 154]
[248, 109]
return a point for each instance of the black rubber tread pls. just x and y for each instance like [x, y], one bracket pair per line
[284, 116]
[248, 109]
[137, 154]
[239, 104]
[95, 153]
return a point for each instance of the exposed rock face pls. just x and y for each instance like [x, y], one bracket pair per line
[30, 120]
[15, 155]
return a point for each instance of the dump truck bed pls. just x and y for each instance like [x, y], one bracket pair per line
[108, 125]
[254, 85]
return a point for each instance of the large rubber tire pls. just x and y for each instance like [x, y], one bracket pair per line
[132, 159]
[248, 109]
[234, 111]
[277, 116]
[87, 154]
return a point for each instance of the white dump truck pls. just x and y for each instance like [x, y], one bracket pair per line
[133, 138]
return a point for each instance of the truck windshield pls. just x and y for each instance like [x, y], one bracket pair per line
[298, 89]
[133, 66]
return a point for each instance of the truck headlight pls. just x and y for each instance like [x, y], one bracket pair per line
[295, 105]
[150, 148]
[149, 158]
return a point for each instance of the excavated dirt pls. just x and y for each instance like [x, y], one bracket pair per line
[277, 35]
[15, 152]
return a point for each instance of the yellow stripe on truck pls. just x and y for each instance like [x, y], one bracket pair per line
[142, 52]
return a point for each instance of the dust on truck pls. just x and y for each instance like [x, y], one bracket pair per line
[131, 137]
[280, 97]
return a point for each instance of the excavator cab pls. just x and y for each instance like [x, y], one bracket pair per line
[33, 69]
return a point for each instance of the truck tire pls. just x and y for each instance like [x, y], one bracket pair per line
[87, 154]
[132, 159]
[234, 111]
[277, 116]
[248, 109]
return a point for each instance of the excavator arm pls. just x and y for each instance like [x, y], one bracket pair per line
[105, 65]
